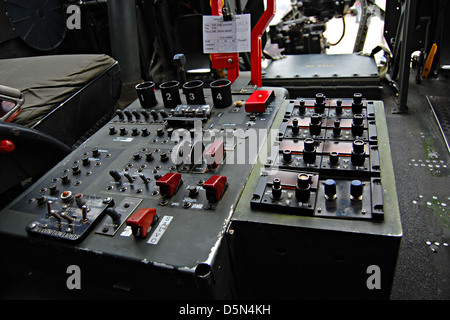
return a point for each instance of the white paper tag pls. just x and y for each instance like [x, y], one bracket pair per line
[221, 36]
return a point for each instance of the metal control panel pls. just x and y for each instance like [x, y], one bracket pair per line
[157, 203]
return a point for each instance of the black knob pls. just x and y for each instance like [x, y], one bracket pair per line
[149, 156]
[95, 153]
[75, 170]
[334, 158]
[137, 156]
[315, 126]
[337, 128]
[193, 191]
[123, 131]
[145, 132]
[129, 115]
[134, 131]
[295, 127]
[145, 114]
[302, 107]
[164, 157]
[319, 106]
[160, 132]
[358, 125]
[136, 114]
[287, 156]
[330, 189]
[357, 105]
[65, 179]
[309, 151]
[85, 161]
[112, 130]
[303, 188]
[358, 153]
[276, 188]
[339, 106]
[144, 178]
[356, 190]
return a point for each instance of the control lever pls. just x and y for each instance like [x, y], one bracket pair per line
[180, 60]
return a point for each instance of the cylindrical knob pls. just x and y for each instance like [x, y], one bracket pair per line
[145, 132]
[356, 190]
[303, 188]
[358, 153]
[112, 130]
[358, 125]
[193, 191]
[330, 189]
[357, 105]
[149, 156]
[334, 158]
[134, 131]
[309, 151]
[123, 131]
[315, 126]
[287, 155]
[337, 128]
[319, 106]
[295, 127]
[302, 106]
[276, 188]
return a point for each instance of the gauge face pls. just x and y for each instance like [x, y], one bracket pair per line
[40, 23]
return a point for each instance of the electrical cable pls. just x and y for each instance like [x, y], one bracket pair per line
[343, 33]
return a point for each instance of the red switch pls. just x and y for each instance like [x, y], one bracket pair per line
[141, 221]
[169, 183]
[6, 147]
[258, 101]
[215, 154]
[215, 187]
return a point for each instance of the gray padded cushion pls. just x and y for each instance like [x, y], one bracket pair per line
[48, 81]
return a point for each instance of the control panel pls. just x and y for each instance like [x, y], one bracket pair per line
[157, 202]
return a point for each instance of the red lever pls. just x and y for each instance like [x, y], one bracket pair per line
[6, 147]
[215, 187]
[141, 221]
[215, 154]
[168, 184]
[258, 101]
[257, 31]
[229, 61]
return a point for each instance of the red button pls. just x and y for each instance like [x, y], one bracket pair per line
[214, 187]
[168, 184]
[6, 147]
[141, 221]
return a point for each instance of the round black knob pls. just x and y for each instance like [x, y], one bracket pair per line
[295, 127]
[334, 158]
[193, 191]
[164, 157]
[112, 130]
[160, 132]
[137, 156]
[303, 188]
[145, 132]
[134, 131]
[85, 161]
[123, 131]
[276, 188]
[357, 98]
[337, 128]
[149, 156]
[309, 144]
[287, 155]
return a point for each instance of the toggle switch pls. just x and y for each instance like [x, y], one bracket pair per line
[142, 221]
[169, 184]
[115, 216]
[116, 175]
[215, 187]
